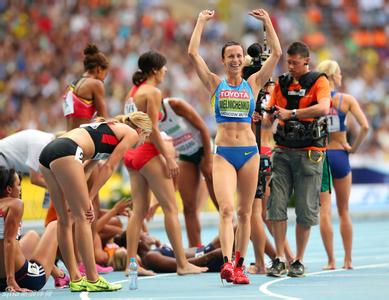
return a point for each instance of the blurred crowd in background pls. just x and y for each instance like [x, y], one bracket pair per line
[42, 42]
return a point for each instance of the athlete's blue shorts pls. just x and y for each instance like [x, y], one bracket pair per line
[339, 163]
[236, 156]
[31, 276]
[165, 251]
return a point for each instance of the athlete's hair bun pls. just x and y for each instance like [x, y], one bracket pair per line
[91, 49]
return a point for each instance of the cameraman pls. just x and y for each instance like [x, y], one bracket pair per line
[260, 241]
[264, 135]
[301, 98]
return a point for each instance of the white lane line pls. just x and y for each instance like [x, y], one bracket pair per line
[205, 297]
[147, 277]
[84, 296]
[264, 287]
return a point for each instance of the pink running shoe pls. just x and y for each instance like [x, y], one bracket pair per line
[99, 269]
[62, 282]
[82, 269]
[103, 270]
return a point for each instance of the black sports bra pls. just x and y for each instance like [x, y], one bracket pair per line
[103, 138]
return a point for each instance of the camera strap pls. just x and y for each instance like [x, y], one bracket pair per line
[293, 97]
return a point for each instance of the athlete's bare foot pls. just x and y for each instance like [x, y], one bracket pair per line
[144, 272]
[330, 266]
[191, 269]
[254, 269]
[348, 265]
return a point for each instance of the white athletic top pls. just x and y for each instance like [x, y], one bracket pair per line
[186, 138]
[2, 217]
[22, 149]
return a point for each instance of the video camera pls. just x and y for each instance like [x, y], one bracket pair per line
[258, 57]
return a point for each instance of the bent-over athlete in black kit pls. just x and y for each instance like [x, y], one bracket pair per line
[103, 139]
[66, 175]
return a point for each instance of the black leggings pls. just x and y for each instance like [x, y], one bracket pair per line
[58, 148]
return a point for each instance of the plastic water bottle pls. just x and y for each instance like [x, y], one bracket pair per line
[133, 275]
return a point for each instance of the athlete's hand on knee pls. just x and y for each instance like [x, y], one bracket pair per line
[172, 167]
[206, 14]
[90, 214]
[206, 167]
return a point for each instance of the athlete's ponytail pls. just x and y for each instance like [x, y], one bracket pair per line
[139, 77]
[135, 120]
[148, 63]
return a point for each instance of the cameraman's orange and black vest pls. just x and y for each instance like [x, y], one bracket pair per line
[300, 133]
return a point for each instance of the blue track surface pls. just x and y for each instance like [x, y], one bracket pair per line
[368, 280]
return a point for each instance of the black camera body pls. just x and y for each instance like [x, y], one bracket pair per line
[258, 57]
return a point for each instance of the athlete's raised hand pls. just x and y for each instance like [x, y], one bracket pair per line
[206, 14]
[260, 14]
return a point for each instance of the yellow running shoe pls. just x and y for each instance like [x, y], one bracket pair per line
[101, 285]
[79, 285]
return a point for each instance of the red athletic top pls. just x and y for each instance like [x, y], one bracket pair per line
[77, 107]
[130, 105]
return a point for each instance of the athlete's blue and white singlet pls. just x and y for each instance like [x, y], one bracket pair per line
[233, 103]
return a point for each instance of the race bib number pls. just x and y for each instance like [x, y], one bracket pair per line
[234, 104]
[333, 123]
[130, 106]
[79, 155]
[68, 104]
[33, 269]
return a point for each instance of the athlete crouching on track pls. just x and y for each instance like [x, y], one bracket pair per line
[63, 171]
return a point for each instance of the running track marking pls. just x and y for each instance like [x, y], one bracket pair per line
[85, 295]
[264, 287]
[147, 277]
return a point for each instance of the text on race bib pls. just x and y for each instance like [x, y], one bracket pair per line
[68, 104]
[130, 106]
[333, 123]
[234, 104]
